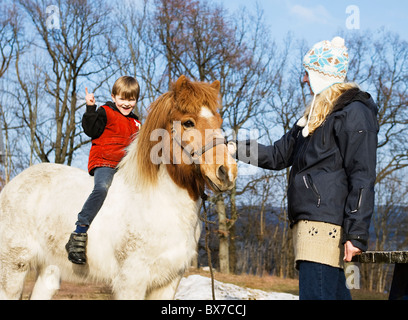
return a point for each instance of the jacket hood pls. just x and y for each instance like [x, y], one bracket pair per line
[351, 95]
[355, 94]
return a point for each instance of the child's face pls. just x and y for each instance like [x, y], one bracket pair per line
[125, 106]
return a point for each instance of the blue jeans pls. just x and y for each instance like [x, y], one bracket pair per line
[322, 282]
[103, 177]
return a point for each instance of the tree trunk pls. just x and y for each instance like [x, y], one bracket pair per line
[232, 233]
[223, 255]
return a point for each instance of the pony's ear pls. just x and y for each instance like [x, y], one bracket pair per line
[180, 83]
[216, 85]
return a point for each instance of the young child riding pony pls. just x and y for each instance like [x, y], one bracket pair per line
[111, 127]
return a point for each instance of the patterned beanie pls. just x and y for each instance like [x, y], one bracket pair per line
[326, 64]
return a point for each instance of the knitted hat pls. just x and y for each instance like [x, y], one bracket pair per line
[326, 64]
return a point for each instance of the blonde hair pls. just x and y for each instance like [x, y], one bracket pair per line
[127, 87]
[324, 103]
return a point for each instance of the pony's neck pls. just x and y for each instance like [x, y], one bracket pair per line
[187, 177]
[142, 175]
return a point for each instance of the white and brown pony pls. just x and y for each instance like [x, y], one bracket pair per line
[145, 235]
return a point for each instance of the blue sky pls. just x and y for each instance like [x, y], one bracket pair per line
[316, 20]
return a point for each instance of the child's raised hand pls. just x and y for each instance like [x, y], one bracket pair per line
[89, 98]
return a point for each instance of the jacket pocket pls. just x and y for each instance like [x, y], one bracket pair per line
[308, 181]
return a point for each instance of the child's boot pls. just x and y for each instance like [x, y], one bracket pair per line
[76, 248]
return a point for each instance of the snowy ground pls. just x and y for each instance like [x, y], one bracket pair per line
[196, 287]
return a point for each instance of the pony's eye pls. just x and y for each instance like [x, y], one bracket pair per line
[188, 124]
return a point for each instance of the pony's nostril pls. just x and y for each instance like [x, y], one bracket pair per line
[222, 173]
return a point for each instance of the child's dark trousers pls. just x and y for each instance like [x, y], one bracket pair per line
[103, 177]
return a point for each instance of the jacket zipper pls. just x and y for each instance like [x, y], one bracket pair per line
[312, 187]
[302, 155]
[360, 198]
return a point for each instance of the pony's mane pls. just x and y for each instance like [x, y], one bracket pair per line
[184, 97]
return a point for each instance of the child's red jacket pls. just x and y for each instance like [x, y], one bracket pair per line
[111, 133]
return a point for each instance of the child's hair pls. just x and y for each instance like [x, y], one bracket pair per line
[127, 87]
[324, 104]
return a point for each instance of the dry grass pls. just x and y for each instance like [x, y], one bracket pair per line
[70, 291]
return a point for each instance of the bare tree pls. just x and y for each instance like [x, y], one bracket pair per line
[137, 51]
[10, 29]
[74, 52]
[245, 85]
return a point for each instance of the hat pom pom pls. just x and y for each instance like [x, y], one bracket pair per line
[302, 121]
[337, 42]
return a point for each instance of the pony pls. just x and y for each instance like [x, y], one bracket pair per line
[145, 235]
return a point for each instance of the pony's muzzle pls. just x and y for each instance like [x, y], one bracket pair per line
[222, 174]
[226, 179]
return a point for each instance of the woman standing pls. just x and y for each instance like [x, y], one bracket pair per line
[332, 154]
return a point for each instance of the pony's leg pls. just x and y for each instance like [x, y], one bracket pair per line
[47, 283]
[12, 279]
[129, 291]
[12, 285]
[131, 282]
[166, 292]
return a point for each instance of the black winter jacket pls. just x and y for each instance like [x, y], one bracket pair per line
[333, 170]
